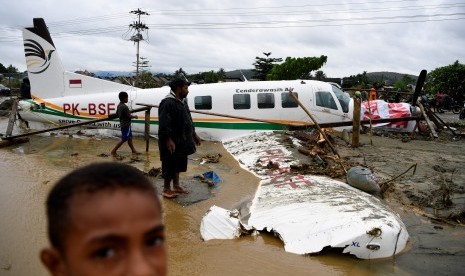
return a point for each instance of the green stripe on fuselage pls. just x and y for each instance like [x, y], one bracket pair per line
[217, 125]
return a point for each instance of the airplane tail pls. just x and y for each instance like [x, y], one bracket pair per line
[47, 74]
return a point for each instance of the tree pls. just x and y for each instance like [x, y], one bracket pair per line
[221, 74]
[211, 77]
[359, 81]
[403, 83]
[146, 80]
[263, 66]
[449, 79]
[320, 75]
[296, 68]
[3, 69]
[180, 74]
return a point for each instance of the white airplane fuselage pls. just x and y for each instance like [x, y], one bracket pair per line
[258, 100]
[63, 97]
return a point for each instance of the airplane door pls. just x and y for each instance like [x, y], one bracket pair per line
[326, 106]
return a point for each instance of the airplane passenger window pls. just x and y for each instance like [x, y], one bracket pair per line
[287, 101]
[241, 101]
[265, 100]
[203, 102]
[325, 99]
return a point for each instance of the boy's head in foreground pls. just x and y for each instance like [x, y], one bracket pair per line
[105, 219]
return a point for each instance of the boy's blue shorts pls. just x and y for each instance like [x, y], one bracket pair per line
[126, 133]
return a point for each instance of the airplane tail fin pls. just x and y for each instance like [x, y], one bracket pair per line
[47, 74]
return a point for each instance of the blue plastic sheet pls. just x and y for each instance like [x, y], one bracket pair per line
[211, 175]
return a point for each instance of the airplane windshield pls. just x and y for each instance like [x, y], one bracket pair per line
[342, 97]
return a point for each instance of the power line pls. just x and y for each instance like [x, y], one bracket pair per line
[398, 19]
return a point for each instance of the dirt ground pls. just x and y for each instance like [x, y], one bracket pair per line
[431, 203]
[419, 171]
[422, 178]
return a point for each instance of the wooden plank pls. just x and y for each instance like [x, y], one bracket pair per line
[147, 129]
[12, 119]
[356, 123]
[110, 117]
[430, 125]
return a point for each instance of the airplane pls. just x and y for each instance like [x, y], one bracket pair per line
[63, 97]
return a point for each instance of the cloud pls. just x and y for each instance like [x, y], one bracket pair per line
[208, 35]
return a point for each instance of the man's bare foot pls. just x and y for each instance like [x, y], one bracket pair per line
[169, 194]
[180, 190]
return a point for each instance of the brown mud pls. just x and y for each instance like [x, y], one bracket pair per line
[430, 202]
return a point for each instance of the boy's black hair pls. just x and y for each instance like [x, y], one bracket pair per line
[122, 95]
[89, 179]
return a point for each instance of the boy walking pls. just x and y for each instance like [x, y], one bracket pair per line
[125, 117]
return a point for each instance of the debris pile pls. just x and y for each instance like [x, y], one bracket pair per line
[211, 158]
[321, 160]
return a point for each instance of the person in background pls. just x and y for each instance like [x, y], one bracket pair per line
[25, 89]
[177, 137]
[125, 117]
[397, 96]
[372, 93]
[439, 102]
[105, 219]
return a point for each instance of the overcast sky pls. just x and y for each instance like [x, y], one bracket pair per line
[203, 35]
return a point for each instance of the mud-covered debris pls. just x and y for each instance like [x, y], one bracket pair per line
[154, 172]
[315, 150]
[103, 155]
[439, 169]
[74, 154]
[211, 158]
[458, 217]
[203, 179]
[272, 166]
[332, 170]
[375, 232]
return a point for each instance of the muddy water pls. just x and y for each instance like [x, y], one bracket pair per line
[28, 171]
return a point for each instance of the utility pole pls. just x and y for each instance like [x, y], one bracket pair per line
[138, 27]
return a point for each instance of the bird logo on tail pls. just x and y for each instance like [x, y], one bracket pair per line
[37, 59]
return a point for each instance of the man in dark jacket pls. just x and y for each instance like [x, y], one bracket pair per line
[177, 137]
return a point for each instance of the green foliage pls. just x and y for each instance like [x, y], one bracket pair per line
[180, 74]
[403, 83]
[359, 81]
[221, 74]
[449, 79]
[8, 70]
[296, 68]
[263, 66]
[320, 75]
[146, 80]
[209, 77]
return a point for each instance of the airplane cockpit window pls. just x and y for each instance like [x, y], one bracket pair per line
[265, 100]
[287, 101]
[241, 101]
[203, 102]
[342, 97]
[325, 99]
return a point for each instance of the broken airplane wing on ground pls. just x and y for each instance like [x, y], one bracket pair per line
[309, 213]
